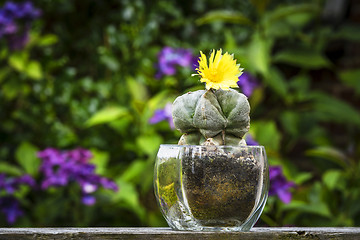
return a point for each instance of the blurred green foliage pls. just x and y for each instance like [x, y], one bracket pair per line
[86, 79]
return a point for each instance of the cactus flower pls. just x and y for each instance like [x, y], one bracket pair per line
[221, 72]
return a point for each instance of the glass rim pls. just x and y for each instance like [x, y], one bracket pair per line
[218, 146]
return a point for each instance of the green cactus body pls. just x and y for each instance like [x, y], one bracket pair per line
[219, 117]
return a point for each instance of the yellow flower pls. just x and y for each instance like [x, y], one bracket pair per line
[222, 71]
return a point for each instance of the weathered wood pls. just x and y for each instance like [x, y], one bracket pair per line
[168, 234]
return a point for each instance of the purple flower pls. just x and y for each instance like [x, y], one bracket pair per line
[88, 187]
[279, 185]
[169, 58]
[27, 11]
[18, 41]
[195, 62]
[247, 83]
[88, 200]
[15, 22]
[106, 183]
[10, 206]
[163, 114]
[11, 184]
[61, 168]
[89, 183]
[55, 168]
[250, 140]
[7, 28]
[9, 10]
[79, 155]
[26, 180]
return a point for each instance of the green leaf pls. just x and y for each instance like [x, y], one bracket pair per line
[280, 29]
[348, 32]
[259, 54]
[328, 153]
[122, 124]
[302, 58]
[100, 159]
[110, 62]
[34, 71]
[300, 83]
[332, 179]
[352, 79]
[18, 61]
[302, 177]
[276, 82]
[282, 12]
[320, 208]
[224, 16]
[48, 40]
[127, 193]
[3, 53]
[256, 97]
[149, 144]
[137, 90]
[25, 155]
[106, 115]
[10, 89]
[128, 197]
[64, 134]
[10, 169]
[134, 171]
[290, 122]
[230, 42]
[159, 99]
[331, 109]
[266, 134]
[299, 19]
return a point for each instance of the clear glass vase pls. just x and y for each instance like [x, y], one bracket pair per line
[211, 188]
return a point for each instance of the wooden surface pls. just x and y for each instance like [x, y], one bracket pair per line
[168, 234]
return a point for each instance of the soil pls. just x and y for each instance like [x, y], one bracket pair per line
[220, 186]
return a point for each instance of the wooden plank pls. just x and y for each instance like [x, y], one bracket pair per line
[168, 234]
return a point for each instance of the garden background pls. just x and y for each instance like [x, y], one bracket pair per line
[85, 88]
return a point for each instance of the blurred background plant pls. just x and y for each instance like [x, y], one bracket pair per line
[99, 75]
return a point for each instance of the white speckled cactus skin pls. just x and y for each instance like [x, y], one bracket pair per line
[217, 116]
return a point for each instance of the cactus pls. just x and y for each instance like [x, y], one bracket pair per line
[219, 115]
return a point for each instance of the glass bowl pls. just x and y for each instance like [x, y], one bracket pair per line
[211, 188]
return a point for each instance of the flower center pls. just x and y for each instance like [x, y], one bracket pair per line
[214, 76]
[55, 168]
